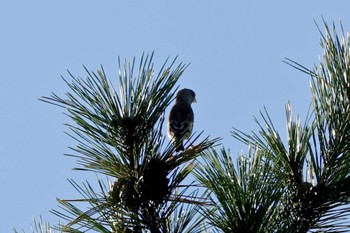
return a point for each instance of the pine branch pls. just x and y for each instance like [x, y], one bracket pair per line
[311, 167]
[245, 197]
[330, 140]
[120, 134]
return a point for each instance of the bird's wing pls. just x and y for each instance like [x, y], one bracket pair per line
[180, 121]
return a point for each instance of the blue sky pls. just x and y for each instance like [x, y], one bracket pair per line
[235, 49]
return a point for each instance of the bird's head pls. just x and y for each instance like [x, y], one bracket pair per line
[186, 95]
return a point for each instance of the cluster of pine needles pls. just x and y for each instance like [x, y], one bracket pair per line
[300, 183]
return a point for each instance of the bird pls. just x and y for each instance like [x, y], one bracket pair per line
[181, 117]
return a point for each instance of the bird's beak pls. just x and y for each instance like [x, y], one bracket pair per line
[194, 101]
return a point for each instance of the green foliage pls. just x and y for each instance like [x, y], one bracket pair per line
[295, 184]
[121, 135]
[246, 195]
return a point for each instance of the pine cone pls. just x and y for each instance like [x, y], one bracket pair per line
[124, 190]
[155, 182]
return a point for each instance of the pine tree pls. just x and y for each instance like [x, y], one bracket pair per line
[120, 135]
[300, 183]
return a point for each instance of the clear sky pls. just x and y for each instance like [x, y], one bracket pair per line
[235, 49]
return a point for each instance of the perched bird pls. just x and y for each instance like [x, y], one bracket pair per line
[181, 118]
